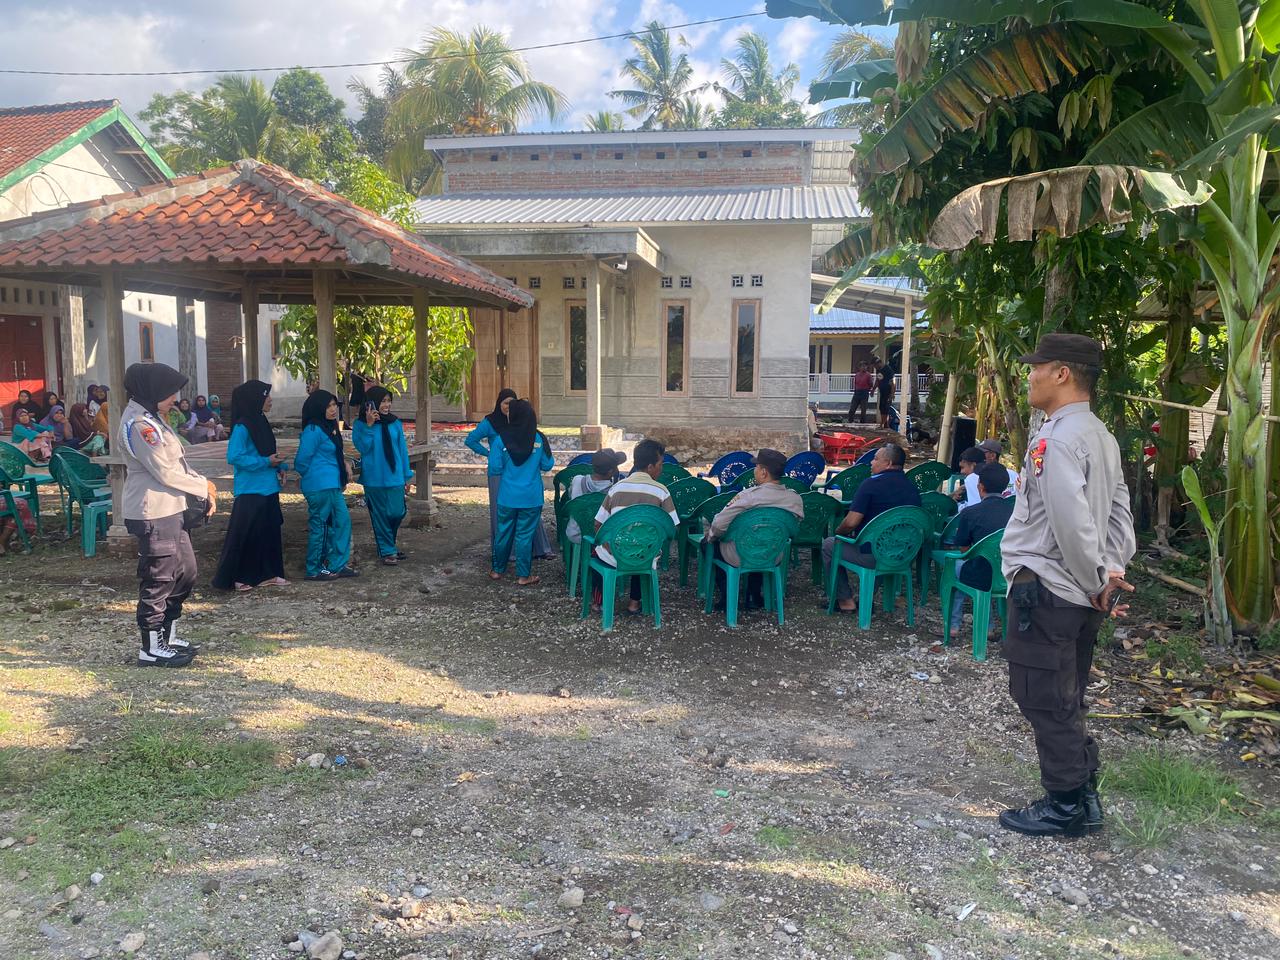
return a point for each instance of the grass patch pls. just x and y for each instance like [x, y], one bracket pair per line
[473, 726]
[1179, 650]
[776, 838]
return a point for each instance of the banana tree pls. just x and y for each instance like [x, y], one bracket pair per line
[1203, 149]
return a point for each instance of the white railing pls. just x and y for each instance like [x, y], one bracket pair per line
[826, 384]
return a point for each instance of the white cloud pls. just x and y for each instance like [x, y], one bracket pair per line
[796, 41]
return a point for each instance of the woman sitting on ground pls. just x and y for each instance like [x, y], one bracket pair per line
[180, 420]
[24, 402]
[208, 425]
[32, 438]
[88, 441]
[322, 463]
[63, 434]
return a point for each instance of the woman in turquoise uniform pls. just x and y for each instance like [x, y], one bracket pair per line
[252, 553]
[321, 463]
[384, 469]
[523, 455]
[481, 440]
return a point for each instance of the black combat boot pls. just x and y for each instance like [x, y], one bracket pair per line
[156, 653]
[1056, 814]
[170, 634]
[1092, 805]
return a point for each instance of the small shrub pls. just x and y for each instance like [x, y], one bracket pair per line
[1180, 650]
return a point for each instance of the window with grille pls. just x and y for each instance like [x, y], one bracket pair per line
[535, 283]
[665, 283]
[568, 283]
[735, 280]
[757, 279]
[686, 283]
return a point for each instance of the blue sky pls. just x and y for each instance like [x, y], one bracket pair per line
[147, 35]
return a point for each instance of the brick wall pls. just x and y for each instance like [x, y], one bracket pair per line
[223, 337]
[625, 168]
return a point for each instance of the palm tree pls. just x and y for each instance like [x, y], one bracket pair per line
[375, 106]
[462, 83]
[661, 79]
[694, 114]
[749, 76]
[605, 121]
[850, 47]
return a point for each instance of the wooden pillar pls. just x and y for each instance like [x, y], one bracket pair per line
[880, 354]
[249, 304]
[71, 301]
[904, 396]
[113, 321]
[326, 352]
[948, 417]
[423, 505]
[592, 432]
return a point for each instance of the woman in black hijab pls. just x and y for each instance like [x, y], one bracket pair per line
[252, 553]
[384, 470]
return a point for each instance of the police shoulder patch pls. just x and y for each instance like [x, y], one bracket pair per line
[150, 434]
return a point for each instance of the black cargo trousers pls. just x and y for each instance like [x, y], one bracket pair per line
[1048, 672]
[166, 569]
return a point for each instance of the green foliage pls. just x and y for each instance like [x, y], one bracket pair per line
[1184, 790]
[379, 341]
[661, 80]
[1180, 650]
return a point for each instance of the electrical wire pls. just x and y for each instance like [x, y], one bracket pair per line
[365, 63]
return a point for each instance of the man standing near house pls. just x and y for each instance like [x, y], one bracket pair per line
[1064, 552]
[885, 385]
[863, 380]
[886, 488]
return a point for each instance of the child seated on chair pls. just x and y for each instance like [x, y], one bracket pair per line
[604, 469]
[981, 519]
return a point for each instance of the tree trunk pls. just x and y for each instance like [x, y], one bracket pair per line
[1171, 448]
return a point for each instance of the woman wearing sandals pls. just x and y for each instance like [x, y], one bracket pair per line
[322, 464]
[252, 553]
[384, 469]
[523, 455]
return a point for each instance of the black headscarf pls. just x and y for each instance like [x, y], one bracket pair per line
[498, 419]
[521, 432]
[313, 411]
[247, 401]
[149, 383]
[375, 396]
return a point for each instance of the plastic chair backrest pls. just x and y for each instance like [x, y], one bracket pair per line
[988, 549]
[635, 536]
[866, 458]
[580, 458]
[928, 476]
[582, 510]
[14, 461]
[950, 529]
[940, 507]
[847, 481]
[688, 492]
[668, 458]
[760, 534]
[563, 479]
[805, 467]
[707, 509]
[819, 509]
[728, 467]
[671, 472]
[80, 465]
[796, 484]
[6, 478]
[895, 537]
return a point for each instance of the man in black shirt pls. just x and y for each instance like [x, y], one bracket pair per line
[980, 520]
[885, 386]
[886, 488]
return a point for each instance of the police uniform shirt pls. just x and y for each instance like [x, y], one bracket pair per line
[1071, 521]
[157, 480]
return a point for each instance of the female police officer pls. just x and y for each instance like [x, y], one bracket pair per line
[156, 487]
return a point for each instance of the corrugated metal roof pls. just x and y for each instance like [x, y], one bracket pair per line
[839, 320]
[746, 204]
[614, 137]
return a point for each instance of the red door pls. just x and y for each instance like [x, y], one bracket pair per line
[21, 358]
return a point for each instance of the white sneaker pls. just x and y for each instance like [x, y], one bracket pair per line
[155, 652]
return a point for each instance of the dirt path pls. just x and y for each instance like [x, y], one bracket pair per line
[710, 793]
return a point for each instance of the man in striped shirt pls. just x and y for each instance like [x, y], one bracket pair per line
[641, 486]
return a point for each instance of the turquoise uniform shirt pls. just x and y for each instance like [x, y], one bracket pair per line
[475, 441]
[317, 461]
[521, 485]
[254, 472]
[374, 470]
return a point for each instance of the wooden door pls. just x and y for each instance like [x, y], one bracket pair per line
[21, 358]
[520, 354]
[486, 371]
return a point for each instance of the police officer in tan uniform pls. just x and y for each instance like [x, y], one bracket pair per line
[157, 485]
[1064, 554]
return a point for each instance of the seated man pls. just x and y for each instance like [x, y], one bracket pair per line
[604, 467]
[886, 488]
[982, 519]
[767, 492]
[966, 495]
[993, 450]
[641, 486]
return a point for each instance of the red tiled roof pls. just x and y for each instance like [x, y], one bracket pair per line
[27, 132]
[246, 215]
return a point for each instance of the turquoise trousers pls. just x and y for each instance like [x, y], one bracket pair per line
[386, 511]
[516, 526]
[328, 532]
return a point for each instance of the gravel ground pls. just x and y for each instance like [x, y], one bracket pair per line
[517, 784]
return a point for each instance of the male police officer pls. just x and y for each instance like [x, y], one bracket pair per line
[1064, 553]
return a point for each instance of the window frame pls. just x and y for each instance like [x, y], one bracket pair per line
[662, 357]
[276, 336]
[146, 327]
[733, 348]
[568, 347]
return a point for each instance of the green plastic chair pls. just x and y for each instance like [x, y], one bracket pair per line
[933, 551]
[799, 486]
[582, 510]
[762, 537]
[23, 471]
[929, 476]
[9, 506]
[847, 481]
[635, 536]
[695, 536]
[988, 548]
[816, 525]
[895, 538]
[747, 478]
[687, 493]
[560, 483]
[941, 509]
[93, 474]
[82, 492]
[672, 472]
